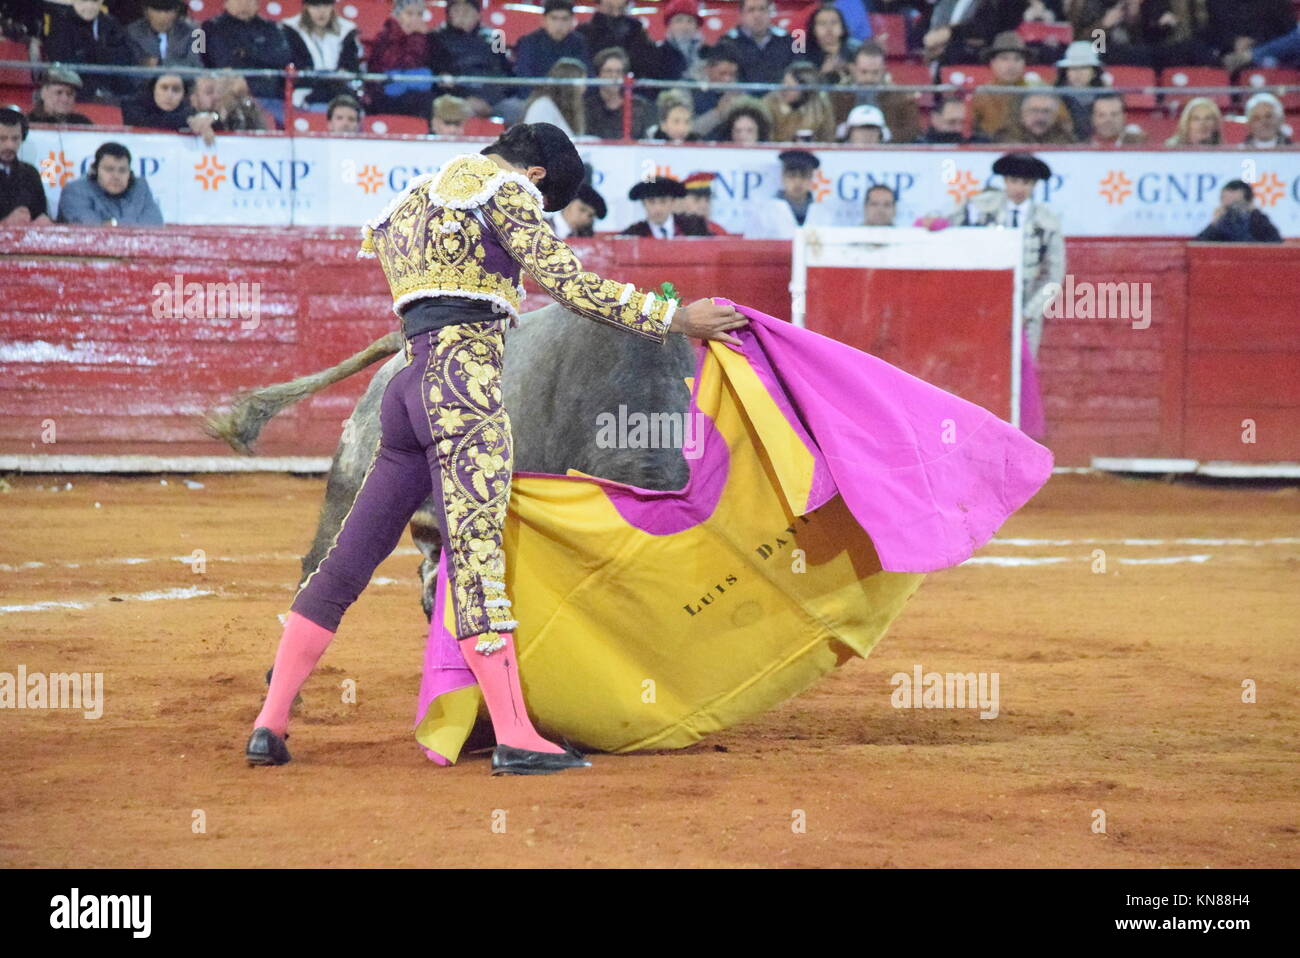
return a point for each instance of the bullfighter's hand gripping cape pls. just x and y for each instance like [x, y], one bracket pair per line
[822, 483]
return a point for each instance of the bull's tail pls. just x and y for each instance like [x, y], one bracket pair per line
[242, 423]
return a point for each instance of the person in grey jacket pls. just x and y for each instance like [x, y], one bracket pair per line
[110, 194]
[163, 36]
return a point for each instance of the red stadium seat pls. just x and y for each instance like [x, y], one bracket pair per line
[308, 121]
[102, 114]
[368, 15]
[17, 96]
[909, 73]
[1193, 77]
[1133, 76]
[890, 31]
[1035, 32]
[282, 9]
[394, 123]
[1259, 79]
[966, 75]
[14, 76]
[200, 10]
[1234, 132]
[1158, 124]
[514, 19]
[718, 19]
[482, 126]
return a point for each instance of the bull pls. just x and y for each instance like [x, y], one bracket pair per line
[561, 372]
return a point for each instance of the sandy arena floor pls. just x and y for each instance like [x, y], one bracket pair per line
[1120, 691]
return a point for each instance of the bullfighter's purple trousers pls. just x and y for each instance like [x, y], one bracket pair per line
[445, 431]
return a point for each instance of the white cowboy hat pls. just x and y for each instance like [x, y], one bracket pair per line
[1080, 53]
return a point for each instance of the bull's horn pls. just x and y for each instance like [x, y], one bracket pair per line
[249, 412]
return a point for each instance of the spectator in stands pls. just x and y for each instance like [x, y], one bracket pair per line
[225, 97]
[1044, 241]
[865, 127]
[610, 26]
[343, 115]
[239, 39]
[577, 218]
[1284, 51]
[902, 111]
[1080, 69]
[604, 104]
[880, 206]
[762, 51]
[1149, 33]
[1237, 27]
[405, 47]
[556, 39]
[160, 105]
[475, 51]
[792, 207]
[560, 104]
[1237, 220]
[449, 115]
[110, 194]
[958, 35]
[1109, 124]
[1042, 119]
[675, 116]
[682, 52]
[711, 106]
[830, 46]
[56, 98]
[747, 123]
[91, 36]
[698, 201]
[1264, 117]
[657, 195]
[320, 39]
[857, 14]
[994, 112]
[22, 197]
[163, 36]
[1200, 124]
[799, 114]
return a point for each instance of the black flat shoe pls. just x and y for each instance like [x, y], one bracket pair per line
[508, 760]
[266, 748]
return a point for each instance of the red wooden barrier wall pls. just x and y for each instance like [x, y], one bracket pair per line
[1223, 345]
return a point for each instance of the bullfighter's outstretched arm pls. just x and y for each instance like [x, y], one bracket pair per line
[516, 217]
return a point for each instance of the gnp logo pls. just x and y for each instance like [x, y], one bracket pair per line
[255, 184]
[57, 169]
[962, 185]
[1269, 189]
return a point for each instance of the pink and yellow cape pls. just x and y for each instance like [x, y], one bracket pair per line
[823, 483]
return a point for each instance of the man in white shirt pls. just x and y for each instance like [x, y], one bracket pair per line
[794, 206]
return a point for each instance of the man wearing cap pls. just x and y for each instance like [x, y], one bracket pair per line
[794, 205]
[992, 112]
[577, 218]
[449, 116]
[698, 200]
[657, 195]
[163, 36]
[865, 127]
[1014, 207]
[56, 98]
[22, 197]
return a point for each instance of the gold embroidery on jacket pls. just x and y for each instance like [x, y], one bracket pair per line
[528, 238]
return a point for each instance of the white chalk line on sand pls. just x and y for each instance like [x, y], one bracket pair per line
[161, 595]
[1015, 561]
[1031, 543]
[186, 560]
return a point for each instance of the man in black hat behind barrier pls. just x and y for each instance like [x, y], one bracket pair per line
[577, 218]
[658, 195]
[1014, 207]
